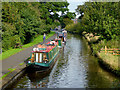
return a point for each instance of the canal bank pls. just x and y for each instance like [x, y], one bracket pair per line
[14, 66]
[112, 66]
[75, 68]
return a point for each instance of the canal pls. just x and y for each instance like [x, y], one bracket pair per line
[75, 68]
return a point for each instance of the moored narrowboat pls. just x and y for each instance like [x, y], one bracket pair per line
[43, 57]
[62, 35]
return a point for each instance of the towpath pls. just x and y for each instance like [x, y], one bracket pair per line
[15, 60]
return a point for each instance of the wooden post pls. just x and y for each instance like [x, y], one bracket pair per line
[105, 49]
[113, 51]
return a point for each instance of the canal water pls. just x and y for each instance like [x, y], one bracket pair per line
[75, 68]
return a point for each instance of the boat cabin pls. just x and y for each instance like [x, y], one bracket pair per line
[44, 53]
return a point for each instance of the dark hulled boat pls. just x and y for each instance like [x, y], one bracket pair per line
[43, 57]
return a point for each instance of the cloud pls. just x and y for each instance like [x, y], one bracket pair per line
[73, 5]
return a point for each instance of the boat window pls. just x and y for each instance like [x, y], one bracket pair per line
[32, 57]
[40, 57]
[36, 59]
[44, 56]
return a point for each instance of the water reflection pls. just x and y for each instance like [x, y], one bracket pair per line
[75, 68]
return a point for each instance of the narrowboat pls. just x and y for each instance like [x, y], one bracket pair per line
[63, 35]
[43, 56]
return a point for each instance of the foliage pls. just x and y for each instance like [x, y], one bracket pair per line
[75, 28]
[50, 10]
[101, 18]
[67, 16]
[23, 21]
[67, 21]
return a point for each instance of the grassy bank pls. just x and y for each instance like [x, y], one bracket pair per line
[37, 40]
[109, 60]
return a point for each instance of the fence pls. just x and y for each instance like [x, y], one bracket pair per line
[113, 51]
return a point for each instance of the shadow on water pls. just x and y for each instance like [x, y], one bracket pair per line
[75, 68]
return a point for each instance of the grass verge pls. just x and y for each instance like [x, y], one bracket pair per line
[110, 59]
[11, 70]
[37, 40]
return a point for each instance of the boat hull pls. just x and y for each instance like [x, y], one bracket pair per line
[42, 66]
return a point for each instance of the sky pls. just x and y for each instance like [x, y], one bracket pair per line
[73, 5]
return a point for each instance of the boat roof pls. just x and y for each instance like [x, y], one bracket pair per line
[48, 47]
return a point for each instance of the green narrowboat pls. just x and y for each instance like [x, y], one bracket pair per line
[43, 56]
[62, 35]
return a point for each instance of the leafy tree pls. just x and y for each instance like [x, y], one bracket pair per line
[67, 21]
[23, 21]
[101, 18]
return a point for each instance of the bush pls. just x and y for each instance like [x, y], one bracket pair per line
[75, 28]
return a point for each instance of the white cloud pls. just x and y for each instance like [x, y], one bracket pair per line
[73, 5]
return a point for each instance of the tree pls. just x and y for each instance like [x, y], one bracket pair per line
[23, 21]
[67, 21]
[101, 18]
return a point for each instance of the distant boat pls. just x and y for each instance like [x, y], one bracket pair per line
[63, 35]
[43, 57]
